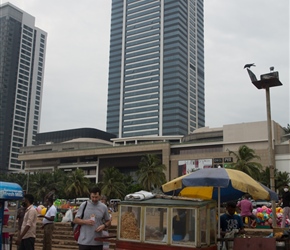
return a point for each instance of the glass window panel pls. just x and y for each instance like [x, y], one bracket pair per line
[155, 224]
[130, 222]
[213, 223]
[203, 223]
[184, 226]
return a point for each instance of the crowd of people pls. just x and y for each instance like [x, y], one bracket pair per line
[95, 219]
[94, 223]
[231, 221]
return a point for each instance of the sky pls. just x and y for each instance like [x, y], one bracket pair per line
[236, 32]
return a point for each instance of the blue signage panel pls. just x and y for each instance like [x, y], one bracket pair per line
[10, 191]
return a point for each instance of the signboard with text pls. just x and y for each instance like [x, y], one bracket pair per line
[189, 166]
[228, 159]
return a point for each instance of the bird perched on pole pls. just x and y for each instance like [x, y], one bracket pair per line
[249, 65]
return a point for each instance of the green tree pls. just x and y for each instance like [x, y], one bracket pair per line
[39, 184]
[77, 185]
[151, 172]
[58, 180]
[282, 179]
[244, 162]
[265, 177]
[113, 183]
[19, 178]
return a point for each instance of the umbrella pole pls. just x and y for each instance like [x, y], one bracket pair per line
[219, 214]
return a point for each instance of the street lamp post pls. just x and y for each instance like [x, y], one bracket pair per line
[267, 81]
[270, 141]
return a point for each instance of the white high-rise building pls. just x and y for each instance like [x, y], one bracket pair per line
[22, 58]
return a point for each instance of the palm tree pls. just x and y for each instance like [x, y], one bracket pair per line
[19, 178]
[282, 179]
[77, 185]
[57, 180]
[244, 162]
[39, 185]
[113, 183]
[151, 172]
[265, 176]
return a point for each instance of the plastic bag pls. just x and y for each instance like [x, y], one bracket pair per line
[68, 216]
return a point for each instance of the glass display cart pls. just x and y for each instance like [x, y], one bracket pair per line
[163, 223]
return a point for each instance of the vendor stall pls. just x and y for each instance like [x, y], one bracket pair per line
[8, 192]
[164, 223]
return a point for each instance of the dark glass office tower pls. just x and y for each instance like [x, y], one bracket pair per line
[22, 56]
[156, 70]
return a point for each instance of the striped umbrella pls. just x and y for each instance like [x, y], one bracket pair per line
[220, 184]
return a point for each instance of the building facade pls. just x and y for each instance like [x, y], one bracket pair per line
[204, 148]
[156, 68]
[22, 57]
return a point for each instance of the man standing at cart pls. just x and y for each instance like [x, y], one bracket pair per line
[231, 222]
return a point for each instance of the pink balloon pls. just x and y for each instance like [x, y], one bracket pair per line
[39, 208]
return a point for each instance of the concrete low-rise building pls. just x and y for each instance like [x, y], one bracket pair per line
[205, 147]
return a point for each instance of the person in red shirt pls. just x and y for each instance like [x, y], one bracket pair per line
[246, 208]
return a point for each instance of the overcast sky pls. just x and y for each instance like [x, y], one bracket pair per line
[236, 32]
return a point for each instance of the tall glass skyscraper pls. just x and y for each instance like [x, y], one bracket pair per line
[156, 70]
[22, 57]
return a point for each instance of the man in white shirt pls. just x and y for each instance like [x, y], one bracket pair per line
[48, 225]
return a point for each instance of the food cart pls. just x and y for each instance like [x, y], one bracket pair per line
[9, 192]
[166, 223]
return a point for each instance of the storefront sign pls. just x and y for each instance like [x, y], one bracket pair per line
[217, 160]
[228, 159]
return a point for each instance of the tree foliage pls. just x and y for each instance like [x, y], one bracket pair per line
[244, 162]
[282, 179]
[151, 172]
[77, 185]
[39, 183]
[113, 184]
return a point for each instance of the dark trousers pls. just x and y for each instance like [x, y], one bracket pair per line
[27, 244]
[47, 236]
[85, 247]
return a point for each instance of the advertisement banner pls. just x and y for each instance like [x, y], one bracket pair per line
[10, 191]
[189, 166]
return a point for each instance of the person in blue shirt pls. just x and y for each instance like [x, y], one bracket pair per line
[229, 220]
